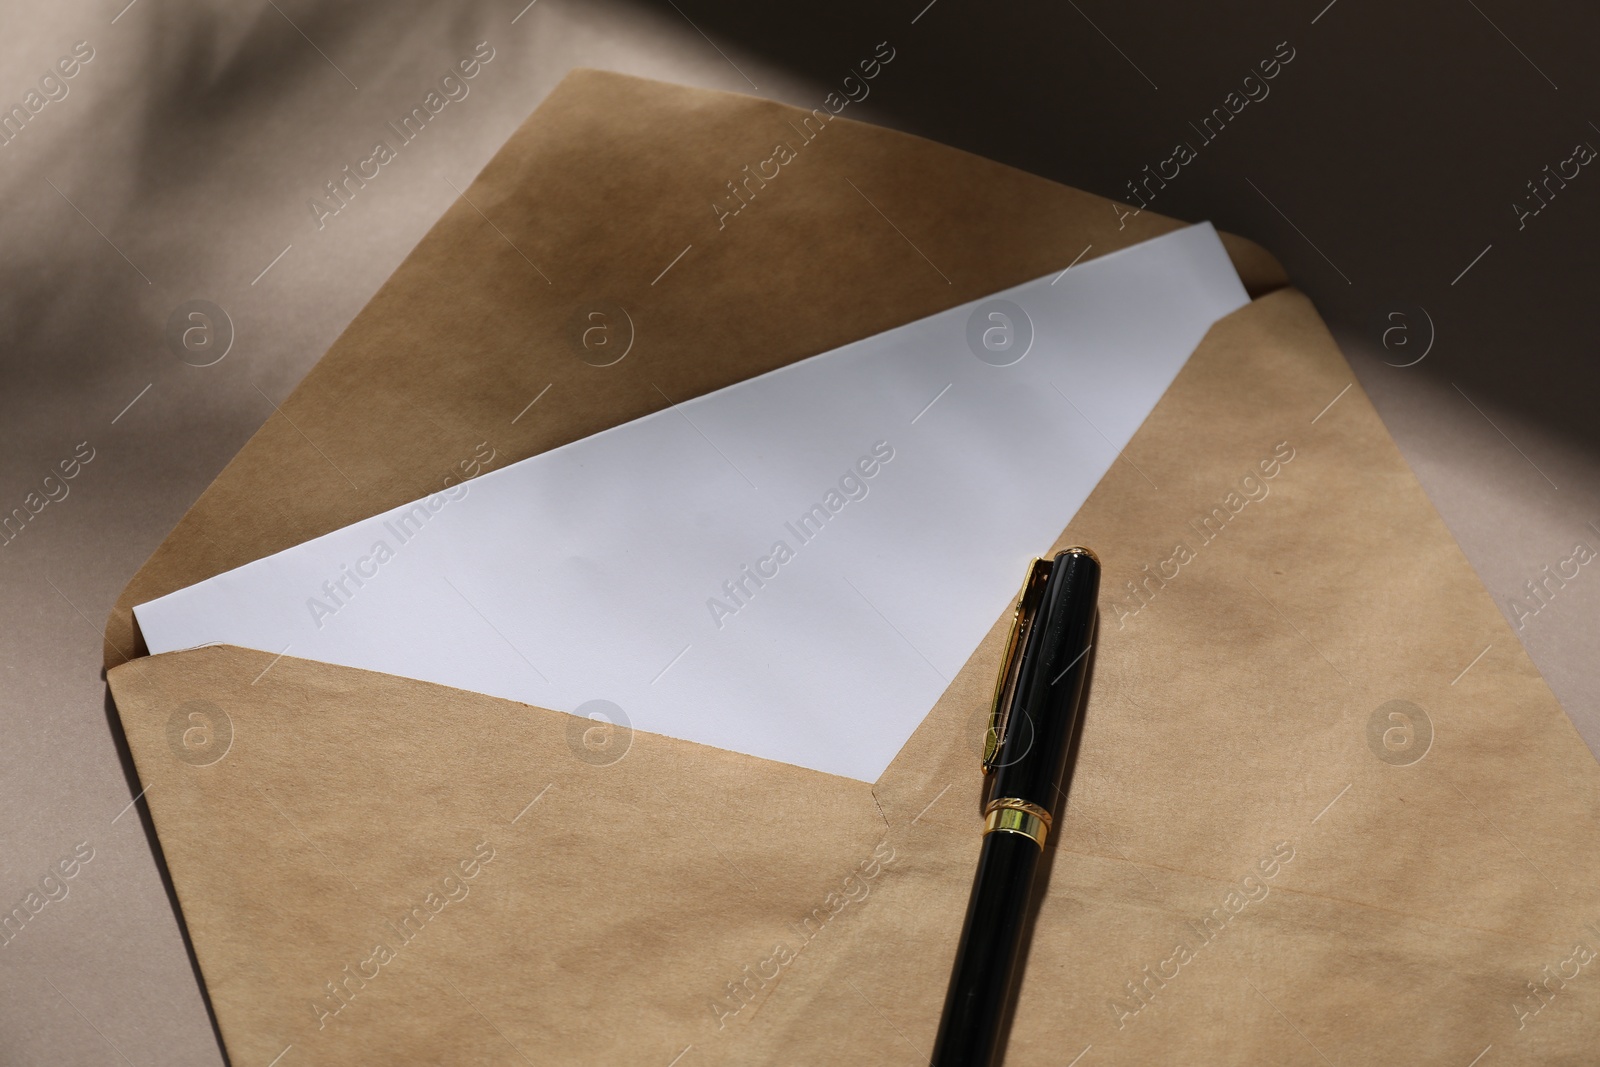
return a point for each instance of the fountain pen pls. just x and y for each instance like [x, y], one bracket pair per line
[1041, 687]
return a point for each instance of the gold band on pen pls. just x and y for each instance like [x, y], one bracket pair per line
[1013, 815]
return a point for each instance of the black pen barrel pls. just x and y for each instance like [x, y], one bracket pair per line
[985, 967]
[1041, 703]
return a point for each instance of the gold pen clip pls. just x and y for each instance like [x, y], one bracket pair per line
[1011, 660]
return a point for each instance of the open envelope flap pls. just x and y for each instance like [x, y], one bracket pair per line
[378, 870]
[1265, 858]
[582, 209]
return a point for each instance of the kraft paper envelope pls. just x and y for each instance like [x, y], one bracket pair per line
[1325, 811]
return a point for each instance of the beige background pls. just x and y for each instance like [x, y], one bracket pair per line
[179, 164]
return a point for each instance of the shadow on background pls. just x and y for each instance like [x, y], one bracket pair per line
[1380, 161]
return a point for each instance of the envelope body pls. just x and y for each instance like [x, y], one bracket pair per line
[1297, 832]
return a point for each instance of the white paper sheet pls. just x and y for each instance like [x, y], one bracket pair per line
[691, 567]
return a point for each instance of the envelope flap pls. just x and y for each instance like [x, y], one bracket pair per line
[613, 198]
[370, 866]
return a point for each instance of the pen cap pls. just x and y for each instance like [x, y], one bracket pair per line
[1054, 667]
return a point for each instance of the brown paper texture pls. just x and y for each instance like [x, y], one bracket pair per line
[1265, 857]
